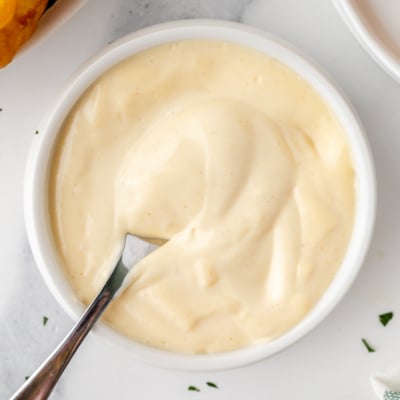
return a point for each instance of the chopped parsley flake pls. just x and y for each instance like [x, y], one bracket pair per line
[385, 318]
[193, 388]
[36, 132]
[45, 319]
[27, 377]
[368, 346]
[212, 384]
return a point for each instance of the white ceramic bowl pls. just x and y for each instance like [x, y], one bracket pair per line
[36, 214]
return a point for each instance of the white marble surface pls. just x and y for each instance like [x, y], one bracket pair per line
[329, 363]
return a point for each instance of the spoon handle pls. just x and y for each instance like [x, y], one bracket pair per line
[42, 382]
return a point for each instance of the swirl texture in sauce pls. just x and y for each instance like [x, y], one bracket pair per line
[230, 158]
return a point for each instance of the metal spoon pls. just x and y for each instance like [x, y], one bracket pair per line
[42, 381]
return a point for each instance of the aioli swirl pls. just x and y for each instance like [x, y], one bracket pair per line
[230, 158]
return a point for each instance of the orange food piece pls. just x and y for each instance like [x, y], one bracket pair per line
[20, 27]
[7, 11]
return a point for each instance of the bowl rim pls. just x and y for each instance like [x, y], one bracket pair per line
[35, 193]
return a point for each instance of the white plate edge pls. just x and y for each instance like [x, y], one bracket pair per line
[367, 39]
[51, 20]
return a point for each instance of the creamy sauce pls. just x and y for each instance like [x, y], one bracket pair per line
[234, 161]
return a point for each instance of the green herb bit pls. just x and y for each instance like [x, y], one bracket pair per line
[45, 319]
[368, 346]
[212, 384]
[36, 132]
[27, 377]
[193, 388]
[385, 318]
